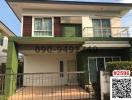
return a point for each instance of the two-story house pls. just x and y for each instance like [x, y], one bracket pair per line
[5, 32]
[66, 36]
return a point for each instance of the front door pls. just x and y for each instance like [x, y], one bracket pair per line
[92, 68]
[71, 70]
[62, 73]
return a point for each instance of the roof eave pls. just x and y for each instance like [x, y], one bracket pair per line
[73, 2]
[5, 30]
[127, 5]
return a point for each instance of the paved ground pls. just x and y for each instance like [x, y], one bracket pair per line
[51, 93]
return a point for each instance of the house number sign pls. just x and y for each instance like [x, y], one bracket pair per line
[58, 49]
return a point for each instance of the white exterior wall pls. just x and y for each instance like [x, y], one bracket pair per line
[104, 84]
[46, 12]
[87, 22]
[46, 63]
[74, 17]
[115, 22]
[3, 47]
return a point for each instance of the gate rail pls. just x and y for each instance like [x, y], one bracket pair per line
[46, 86]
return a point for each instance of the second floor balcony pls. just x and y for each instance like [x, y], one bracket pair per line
[106, 32]
[77, 31]
[72, 26]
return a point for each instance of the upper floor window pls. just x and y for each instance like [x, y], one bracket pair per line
[43, 27]
[101, 28]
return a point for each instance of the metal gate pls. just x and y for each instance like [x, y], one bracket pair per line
[46, 86]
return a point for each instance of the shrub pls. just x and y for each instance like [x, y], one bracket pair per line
[119, 65]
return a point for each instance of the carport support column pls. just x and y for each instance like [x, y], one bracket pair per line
[11, 68]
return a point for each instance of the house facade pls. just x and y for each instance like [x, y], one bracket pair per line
[5, 32]
[63, 36]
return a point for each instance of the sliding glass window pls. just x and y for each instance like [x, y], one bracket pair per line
[101, 28]
[42, 27]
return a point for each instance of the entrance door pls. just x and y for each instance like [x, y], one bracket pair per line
[95, 66]
[100, 64]
[71, 66]
[71, 69]
[92, 69]
[62, 73]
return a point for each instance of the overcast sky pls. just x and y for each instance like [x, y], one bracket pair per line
[10, 20]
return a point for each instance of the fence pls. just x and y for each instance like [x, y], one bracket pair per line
[46, 86]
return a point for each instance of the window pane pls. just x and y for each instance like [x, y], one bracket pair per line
[38, 24]
[68, 31]
[106, 27]
[36, 33]
[47, 24]
[48, 33]
[100, 64]
[101, 28]
[105, 22]
[96, 27]
[42, 33]
[96, 23]
[43, 27]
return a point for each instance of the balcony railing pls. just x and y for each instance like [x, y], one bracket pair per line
[106, 32]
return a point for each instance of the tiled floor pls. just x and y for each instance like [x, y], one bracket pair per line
[51, 93]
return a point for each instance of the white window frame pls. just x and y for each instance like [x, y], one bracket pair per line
[33, 20]
[100, 19]
[104, 57]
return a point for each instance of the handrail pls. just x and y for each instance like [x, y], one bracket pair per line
[74, 72]
[107, 27]
[107, 31]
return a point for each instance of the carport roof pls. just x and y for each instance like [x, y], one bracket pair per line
[62, 40]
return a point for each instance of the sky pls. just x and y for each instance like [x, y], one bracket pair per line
[11, 21]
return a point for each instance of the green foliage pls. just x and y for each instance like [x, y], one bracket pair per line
[119, 65]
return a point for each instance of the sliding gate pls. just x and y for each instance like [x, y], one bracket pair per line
[47, 86]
